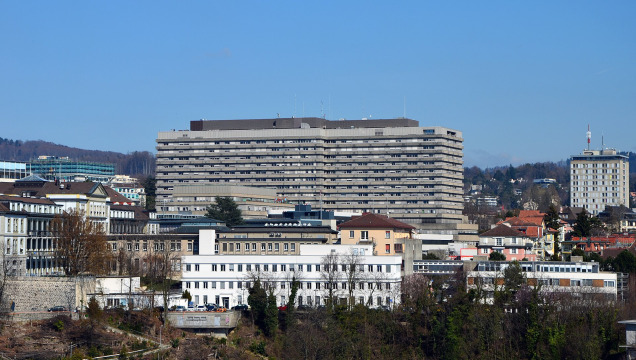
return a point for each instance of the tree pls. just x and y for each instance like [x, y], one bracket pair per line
[186, 295]
[496, 256]
[81, 244]
[150, 188]
[552, 221]
[271, 316]
[258, 302]
[330, 275]
[353, 274]
[226, 210]
[587, 225]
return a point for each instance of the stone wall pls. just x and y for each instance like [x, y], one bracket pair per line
[40, 293]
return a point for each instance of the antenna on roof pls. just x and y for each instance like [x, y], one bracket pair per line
[589, 136]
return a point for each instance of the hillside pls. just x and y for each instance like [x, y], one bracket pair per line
[135, 163]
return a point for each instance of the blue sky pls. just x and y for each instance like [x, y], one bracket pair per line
[521, 80]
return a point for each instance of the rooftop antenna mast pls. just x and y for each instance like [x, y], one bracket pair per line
[589, 136]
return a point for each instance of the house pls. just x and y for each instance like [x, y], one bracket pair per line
[387, 235]
[508, 241]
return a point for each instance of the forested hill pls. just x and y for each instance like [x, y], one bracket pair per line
[135, 163]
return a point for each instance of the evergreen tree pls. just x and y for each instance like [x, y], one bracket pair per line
[226, 210]
[258, 302]
[271, 316]
[586, 225]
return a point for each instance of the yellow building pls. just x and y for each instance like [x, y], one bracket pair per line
[388, 236]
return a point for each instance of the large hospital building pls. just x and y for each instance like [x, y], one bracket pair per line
[385, 166]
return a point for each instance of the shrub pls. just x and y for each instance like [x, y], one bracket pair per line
[258, 348]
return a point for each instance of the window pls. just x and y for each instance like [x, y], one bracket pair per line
[205, 284]
[239, 285]
[253, 246]
[213, 284]
[222, 284]
[308, 286]
[196, 284]
[398, 248]
[513, 251]
[364, 235]
[262, 246]
[224, 247]
[317, 267]
[277, 247]
[238, 246]
[308, 267]
[231, 284]
[499, 241]
[266, 267]
[231, 246]
[379, 268]
[188, 267]
[609, 283]
[231, 267]
[293, 247]
[187, 284]
[285, 247]
[269, 247]
[387, 248]
[351, 233]
[240, 267]
[388, 268]
[283, 267]
[222, 267]
[247, 246]
[214, 268]
[196, 267]
[387, 234]
[248, 267]
[275, 267]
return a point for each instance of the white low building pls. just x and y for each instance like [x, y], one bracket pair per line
[225, 279]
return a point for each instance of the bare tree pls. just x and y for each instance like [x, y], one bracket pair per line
[352, 268]
[81, 244]
[330, 274]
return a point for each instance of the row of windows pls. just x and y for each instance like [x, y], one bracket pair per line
[174, 246]
[317, 285]
[264, 247]
[284, 267]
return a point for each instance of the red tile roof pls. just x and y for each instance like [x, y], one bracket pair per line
[370, 220]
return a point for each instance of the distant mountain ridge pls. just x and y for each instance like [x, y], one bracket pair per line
[135, 163]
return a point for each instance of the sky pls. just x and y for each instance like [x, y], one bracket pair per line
[520, 80]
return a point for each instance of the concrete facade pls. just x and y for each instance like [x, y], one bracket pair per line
[599, 178]
[381, 166]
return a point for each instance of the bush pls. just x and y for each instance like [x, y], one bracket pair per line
[175, 343]
[58, 325]
[258, 348]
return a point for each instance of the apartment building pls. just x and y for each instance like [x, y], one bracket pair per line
[599, 178]
[385, 166]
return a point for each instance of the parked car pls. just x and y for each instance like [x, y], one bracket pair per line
[282, 308]
[303, 307]
[211, 307]
[220, 309]
[240, 307]
[180, 308]
[57, 308]
[201, 308]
